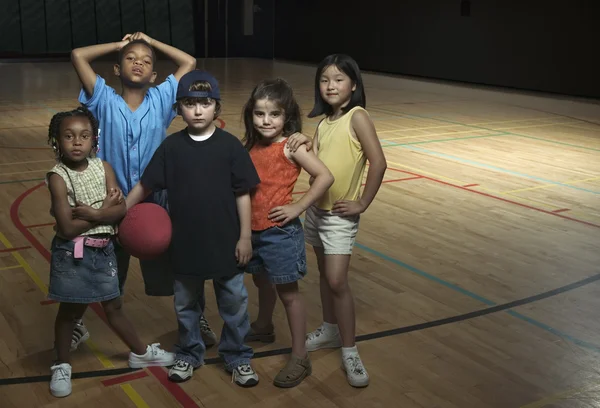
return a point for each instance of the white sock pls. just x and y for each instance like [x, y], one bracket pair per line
[330, 327]
[349, 351]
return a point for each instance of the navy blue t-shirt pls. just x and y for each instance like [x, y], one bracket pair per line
[202, 179]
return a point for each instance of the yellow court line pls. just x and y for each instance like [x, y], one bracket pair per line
[549, 185]
[27, 162]
[21, 172]
[426, 172]
[561, 395]
[134, 396]
[439, 134]
[532, 126]
[421, 128]
[487, 190]
[6, 268]
[131, 393]
[512, 121]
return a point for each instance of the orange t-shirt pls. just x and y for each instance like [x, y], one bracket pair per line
[277, 175]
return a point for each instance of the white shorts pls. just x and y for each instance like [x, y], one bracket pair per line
[334, 233]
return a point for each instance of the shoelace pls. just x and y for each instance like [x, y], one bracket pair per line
[60, 374]
[316, 333]
[356, 365]
[181, 364]
[155, 349]
[204, 325]
[244, 369]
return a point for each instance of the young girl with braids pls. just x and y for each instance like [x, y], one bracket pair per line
[86, 204]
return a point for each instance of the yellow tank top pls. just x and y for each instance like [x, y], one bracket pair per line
[344, 156]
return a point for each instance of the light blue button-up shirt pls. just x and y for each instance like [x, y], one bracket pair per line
[127, 139]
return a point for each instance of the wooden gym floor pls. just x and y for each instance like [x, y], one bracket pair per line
[475, 272]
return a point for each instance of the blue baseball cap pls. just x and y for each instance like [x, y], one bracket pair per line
[186, 81]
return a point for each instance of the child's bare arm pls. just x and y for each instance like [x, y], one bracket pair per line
[113, 208]
[82, 57]
[184, 61]
[67, 227]
[298, 139]
[137, 194]
[321, 177]
[243, 250]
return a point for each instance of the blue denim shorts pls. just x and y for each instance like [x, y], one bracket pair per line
[88, 280]
[280, 253]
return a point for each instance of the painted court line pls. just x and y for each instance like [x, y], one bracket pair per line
[479, 298]
[14, 249]
[493, 196]
[562, 396]
[458, 183]
[441, 140]
[174, 389]
[125, 378]
[7, 268]
[410, 115]
[20, 181]
[496, 168]
[14, 214]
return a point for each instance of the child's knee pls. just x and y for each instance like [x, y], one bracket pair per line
[338, 284]
[112, 306]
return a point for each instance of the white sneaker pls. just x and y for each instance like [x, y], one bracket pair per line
[244, 376]
[80, 335]
[323, 338]
[60, 383]
[355, 370]
[155, 356]
[181, 371]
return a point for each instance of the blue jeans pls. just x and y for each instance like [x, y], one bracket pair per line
[279, 252]
[232, 301]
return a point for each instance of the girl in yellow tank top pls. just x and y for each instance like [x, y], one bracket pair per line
[345, 140]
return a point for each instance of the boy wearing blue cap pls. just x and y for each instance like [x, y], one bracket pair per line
[208, 175]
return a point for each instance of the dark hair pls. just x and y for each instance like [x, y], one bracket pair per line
[123, 50]
[202, 86]
[280, 92]
[349, 67]
[54, 128]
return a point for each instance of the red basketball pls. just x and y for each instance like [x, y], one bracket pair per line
[146, 230]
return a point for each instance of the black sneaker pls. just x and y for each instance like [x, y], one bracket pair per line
[208, 336]
[181, 371]
[80, 335]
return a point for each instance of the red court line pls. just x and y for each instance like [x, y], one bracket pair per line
[497, 198]
[180, 395]
[14, 215]
[560, 210]
[47, 302]
[384, 181]
[40, 225]
[124, 378]
[14, 249]
[24, 147]
[471, 185]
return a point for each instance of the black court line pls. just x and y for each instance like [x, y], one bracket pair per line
[364, 337]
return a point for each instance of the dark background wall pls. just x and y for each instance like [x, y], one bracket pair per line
[543, 45]
[41, 28]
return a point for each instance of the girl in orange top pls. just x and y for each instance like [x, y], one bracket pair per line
[278, 262]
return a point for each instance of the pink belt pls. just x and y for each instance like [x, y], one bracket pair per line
[81, 241]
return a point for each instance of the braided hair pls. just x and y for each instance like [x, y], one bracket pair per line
[54, 129]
